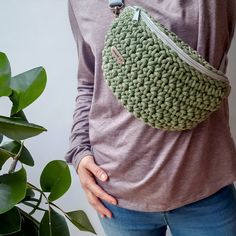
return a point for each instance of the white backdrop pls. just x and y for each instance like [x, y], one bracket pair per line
[34, 33]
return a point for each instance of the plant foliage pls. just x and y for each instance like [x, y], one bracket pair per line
[15, 190]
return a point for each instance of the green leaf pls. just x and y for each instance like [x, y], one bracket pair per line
[10, 222]
[21, 115]
[53, 225]
[5, 75]
[4, 155]
[12, 189]
[29, 194]
[27, 87]
[25, 156]
[29, 200]
[29, 226]
[17, 129]
[55, 179]
[80, 220]
[1, 138]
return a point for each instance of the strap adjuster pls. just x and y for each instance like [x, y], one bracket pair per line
[116, 9]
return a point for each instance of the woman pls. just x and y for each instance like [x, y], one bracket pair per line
[145, 179]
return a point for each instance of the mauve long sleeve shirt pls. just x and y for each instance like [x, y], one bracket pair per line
[150, 169]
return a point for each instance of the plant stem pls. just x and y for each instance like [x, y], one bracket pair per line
[49, 208]
[15, 159]
[51, 203]
[34, 206]
[66, 215]
[28, 216]
[37, 205]
[37, 189]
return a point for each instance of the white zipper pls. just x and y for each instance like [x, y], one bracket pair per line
[139, 14]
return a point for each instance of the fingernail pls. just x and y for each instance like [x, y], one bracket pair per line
[103, 176]
[102, 216]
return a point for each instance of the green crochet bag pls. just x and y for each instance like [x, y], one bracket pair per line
[156, 76]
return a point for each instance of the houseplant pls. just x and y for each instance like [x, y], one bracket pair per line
[15, 188]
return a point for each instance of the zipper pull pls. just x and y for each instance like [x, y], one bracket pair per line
[136, 14]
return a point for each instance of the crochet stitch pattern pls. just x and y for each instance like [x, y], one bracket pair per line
[153, 82]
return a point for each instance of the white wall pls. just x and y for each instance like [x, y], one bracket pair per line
[34, 33]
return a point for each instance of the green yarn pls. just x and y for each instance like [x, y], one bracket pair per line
[153, 82]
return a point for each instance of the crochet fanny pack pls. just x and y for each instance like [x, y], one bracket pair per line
[155, 75]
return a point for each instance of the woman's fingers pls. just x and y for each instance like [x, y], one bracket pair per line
[87, 172]
[97, 205]
[96, 170]
[99, 192]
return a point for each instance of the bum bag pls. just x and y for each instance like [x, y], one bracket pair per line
[155, 75]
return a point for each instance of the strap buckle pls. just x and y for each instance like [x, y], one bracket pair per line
[116, 9]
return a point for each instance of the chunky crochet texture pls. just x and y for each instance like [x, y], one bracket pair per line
[153, 83]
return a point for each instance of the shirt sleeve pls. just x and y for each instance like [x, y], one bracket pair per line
[79, 143]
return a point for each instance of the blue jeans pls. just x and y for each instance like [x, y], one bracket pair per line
[212, 216]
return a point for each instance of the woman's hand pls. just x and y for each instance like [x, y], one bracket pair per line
[87, 170]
